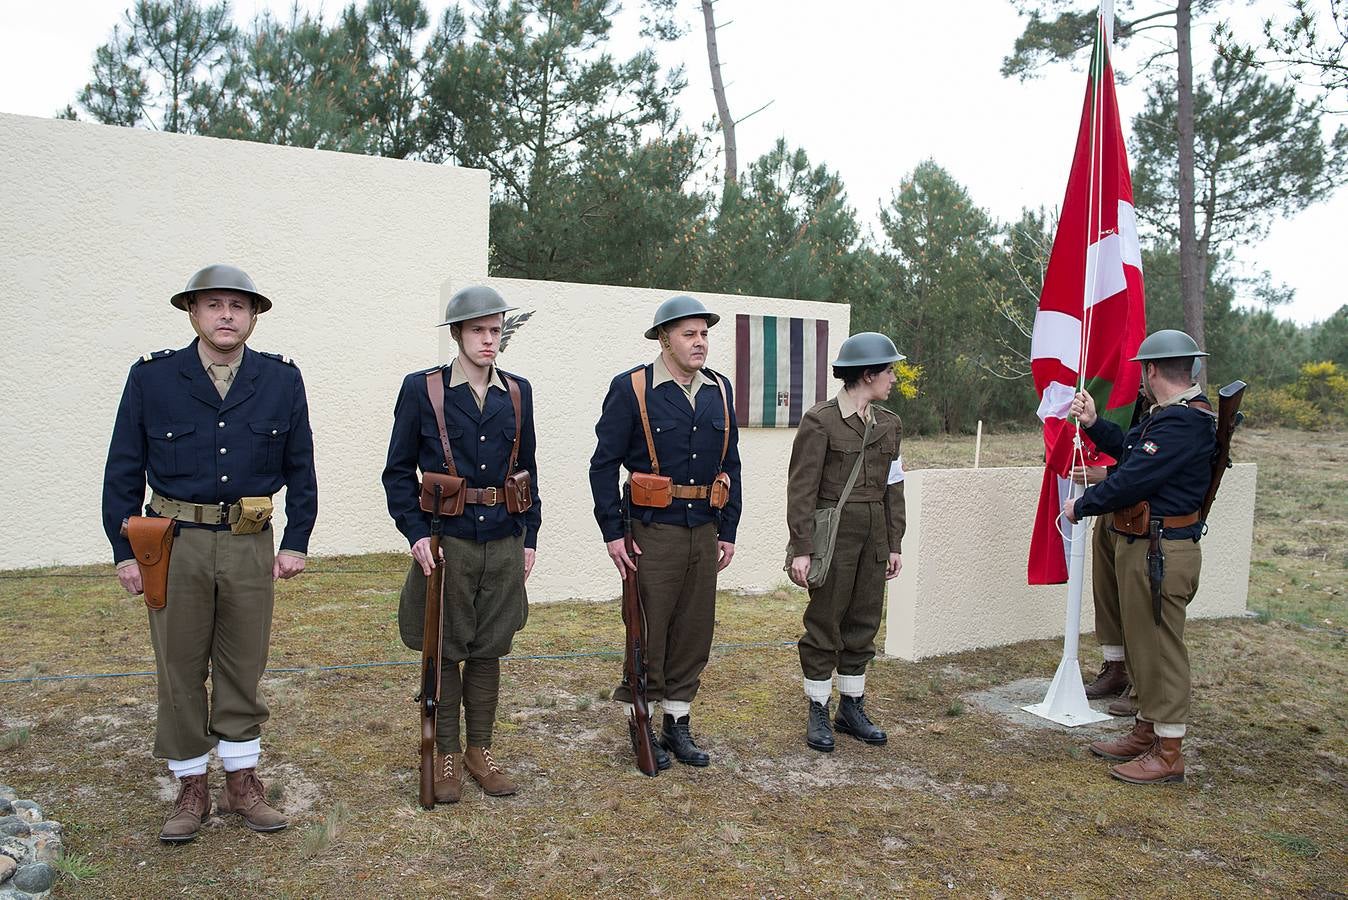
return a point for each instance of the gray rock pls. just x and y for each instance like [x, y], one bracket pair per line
[14, 848]
[28, 810]
[7, 868]
[35, 878]
[50, 826]
[8, 792]
[6, 807]
[13, 826]
[47, 847]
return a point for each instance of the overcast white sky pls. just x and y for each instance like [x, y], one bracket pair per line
[869, 87]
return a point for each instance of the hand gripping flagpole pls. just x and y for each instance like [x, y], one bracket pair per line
[1066, 703]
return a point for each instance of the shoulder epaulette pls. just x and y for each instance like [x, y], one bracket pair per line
[430, 370]
[153, 355]
[279, 358]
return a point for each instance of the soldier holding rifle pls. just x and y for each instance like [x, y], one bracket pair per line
[1159, 498]
[215, 428]
[670, 423]
[469, 428]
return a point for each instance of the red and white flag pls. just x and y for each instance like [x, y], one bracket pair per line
[1091, 308]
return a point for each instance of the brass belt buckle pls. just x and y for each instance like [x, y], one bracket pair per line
[491, 502]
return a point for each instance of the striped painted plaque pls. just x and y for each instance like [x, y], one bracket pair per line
[781, 369]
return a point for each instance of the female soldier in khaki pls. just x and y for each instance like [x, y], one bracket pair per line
[843, 614]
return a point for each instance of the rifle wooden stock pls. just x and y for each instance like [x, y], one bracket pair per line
[634, 665]
[1228, 417]
[431, 645]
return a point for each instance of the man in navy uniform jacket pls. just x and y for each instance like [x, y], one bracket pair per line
[207, 426]
[682, 545]
[488, 550]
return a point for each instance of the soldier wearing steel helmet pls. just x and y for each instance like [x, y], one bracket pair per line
[490, 549]
[216, 428]
[850, 433]
[672, 418]
[1164, 460]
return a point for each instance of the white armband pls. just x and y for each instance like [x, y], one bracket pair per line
[896, 470]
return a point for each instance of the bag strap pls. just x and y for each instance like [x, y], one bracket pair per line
[639, 386]
[515, 401]
[725, 408]
[435, 386]
[856, 469]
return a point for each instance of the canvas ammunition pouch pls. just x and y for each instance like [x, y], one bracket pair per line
[152, 542]
[651, 489]
[516, 493]
[253, 515]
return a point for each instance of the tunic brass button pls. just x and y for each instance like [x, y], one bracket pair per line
[222, 424]
[481, 437]
[694, 456]
[224, 478]
[690, 506]
[222, 451]
[482, 518]
[483, 466]
[273, 432]
[695, 428]
[169, 434]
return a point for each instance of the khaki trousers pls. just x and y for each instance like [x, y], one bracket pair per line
[844, 613]
[1157, 657]
[216, 624]
[1105, 584]
[677, 575]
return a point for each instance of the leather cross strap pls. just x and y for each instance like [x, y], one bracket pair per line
[515, 401]
[639, 386]
[435, 386]
[725, 409]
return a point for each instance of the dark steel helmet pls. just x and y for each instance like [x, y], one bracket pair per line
[220, 277]
[1167, 344]
[867, 348]
[680, 307]
[473, 302]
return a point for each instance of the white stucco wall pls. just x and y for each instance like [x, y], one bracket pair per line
[963, 579]
[579, 337]
[101, 225]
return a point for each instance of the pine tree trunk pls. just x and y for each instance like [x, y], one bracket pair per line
[1191, 274]
[718, 88]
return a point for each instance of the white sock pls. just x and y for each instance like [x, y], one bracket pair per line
[676, 708]
[818, 691]
[852, 685]
[1169, 729]
[236, 755]
[181, 768]
[1112, 652]
[652, 709]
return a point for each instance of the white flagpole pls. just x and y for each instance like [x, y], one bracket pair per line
[1065, 702]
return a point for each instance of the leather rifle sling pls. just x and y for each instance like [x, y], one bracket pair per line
[435, 387]
[639, 386]
[515, 401]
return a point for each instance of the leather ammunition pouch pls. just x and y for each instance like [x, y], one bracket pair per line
[519, 496]
[653, 491]
[152, 541]
[253, 515]
[452, 494]
[720, 491]
[1133, 520]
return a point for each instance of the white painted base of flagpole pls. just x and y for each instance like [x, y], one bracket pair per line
[1065, 702]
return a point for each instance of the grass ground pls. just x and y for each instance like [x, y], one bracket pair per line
[961, 801]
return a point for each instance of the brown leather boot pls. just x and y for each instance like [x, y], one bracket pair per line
[449, 778]
[1112, 681]
[1162, 763]
[1130, 746]
[1123, 707]
[244, 794]
[487, 773]
[189, 811]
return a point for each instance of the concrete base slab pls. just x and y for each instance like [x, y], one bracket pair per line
[1008, 700]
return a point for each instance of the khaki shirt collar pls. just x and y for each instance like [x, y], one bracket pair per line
[847, 407]
[1193, 391]
[457, 377]
[207, 362]
[660, 374]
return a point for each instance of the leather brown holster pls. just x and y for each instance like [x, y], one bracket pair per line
[152, 541]
[1133, 520]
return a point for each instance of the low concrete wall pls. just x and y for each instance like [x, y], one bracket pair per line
[963, 579]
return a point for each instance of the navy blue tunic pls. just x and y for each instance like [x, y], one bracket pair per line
[687, 441]
[1165, 459]
[173, 430]
[480, 441]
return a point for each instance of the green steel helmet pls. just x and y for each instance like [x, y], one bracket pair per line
[680, 307]
[220, 278]
[1167, 344]
[867, 348]
[473, 302]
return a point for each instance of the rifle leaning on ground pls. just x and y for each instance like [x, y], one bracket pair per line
[634, 663]
[431, 647]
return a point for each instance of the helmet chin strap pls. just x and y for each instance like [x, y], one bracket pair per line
[196, 326]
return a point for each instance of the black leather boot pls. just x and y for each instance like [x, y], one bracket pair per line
[818, 731]
[678, 739]
[662, 760]
[852, 719]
